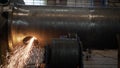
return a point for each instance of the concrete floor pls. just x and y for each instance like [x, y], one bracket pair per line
[102, 59]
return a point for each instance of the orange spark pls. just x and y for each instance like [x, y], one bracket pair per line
[21, 56]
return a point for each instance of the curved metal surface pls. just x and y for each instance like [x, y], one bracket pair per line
[63, 53]
[50, 21]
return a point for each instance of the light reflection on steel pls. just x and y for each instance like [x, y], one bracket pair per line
[49, 21]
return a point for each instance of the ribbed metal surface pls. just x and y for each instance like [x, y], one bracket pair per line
[51, 21]
[70, 18]
[64, 53]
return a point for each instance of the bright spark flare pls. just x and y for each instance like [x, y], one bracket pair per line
[22, 56]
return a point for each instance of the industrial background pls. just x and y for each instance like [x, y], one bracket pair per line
[96, 23]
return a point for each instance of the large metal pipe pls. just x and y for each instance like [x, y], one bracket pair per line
[50, 21]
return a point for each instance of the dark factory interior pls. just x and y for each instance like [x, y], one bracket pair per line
[59, 33]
